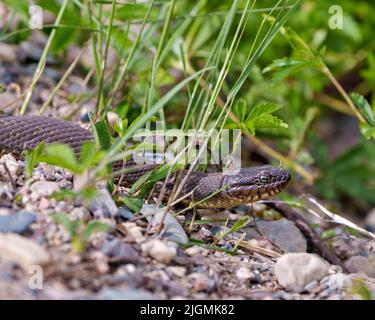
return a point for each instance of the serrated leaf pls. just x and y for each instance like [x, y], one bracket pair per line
[367, 131]
[260, 117]
[263, 108]
[240, 109]
[285, 67]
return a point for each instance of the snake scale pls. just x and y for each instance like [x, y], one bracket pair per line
[18, 133]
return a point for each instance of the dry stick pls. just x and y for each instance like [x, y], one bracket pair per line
[311, 235]
[13, 184]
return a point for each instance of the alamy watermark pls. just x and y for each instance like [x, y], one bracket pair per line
[36, 16]
[36, 278]
[336, 21]
[211, 147]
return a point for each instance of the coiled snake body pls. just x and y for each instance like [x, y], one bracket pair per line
[18, 133]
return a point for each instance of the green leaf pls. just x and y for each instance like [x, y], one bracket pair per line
[88, 151]
[94, 227]
[132, 203]
[240, 109]
[103, 135]
[62, 219]
[360, 288]
[260, 117]
[283, 62]
[90, 156]
[367, 131]
[60, 155]
[143, 179]
[241, 223]
[32, 158]
[364, 107]
[285, 67]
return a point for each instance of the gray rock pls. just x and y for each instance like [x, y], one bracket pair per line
[284, 234]
[172, 229]
[23, 251]
[13, 167]
[295, 270]
[125, 213]
[17, 223]
[33, 51]
[361, 264]
[102, 205]
[120, 251]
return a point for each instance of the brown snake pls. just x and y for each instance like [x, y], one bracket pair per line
[18, 133]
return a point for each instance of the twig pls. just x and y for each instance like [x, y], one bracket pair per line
[10, 176]
[252, 247]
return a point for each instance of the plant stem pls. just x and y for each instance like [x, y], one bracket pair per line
[325, 70]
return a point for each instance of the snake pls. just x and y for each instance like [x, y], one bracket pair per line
[207, 189]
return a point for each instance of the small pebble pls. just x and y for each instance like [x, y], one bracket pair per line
[44, 188]
[195, 250]
[159, 250]
[125, 213]
[244, 273]
[201, 282]
[177, 271]
[132, 230]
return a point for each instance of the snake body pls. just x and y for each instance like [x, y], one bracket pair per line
[19, 133]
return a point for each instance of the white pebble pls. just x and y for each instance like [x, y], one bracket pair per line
[295, 270]
[159, 250]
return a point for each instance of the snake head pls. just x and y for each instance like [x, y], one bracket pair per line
[252, 184]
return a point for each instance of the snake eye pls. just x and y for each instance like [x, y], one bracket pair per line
[264, 179]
